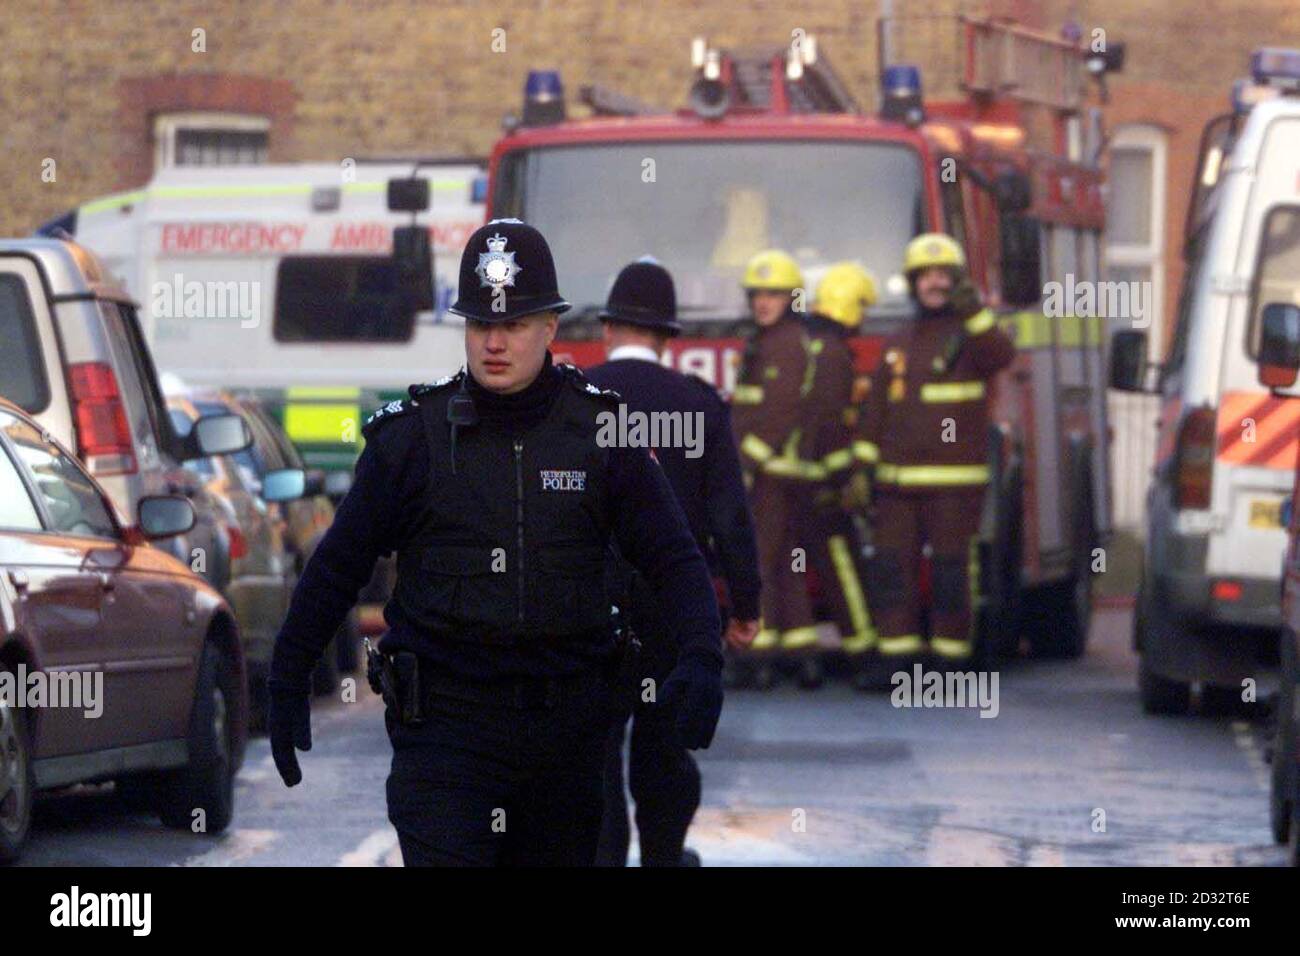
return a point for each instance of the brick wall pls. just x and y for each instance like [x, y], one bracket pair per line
[80, 80]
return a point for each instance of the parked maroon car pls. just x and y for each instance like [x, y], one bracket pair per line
[116, 661]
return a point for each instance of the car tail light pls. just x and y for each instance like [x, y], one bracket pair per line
[103, 435]
[238, 543]
[1194, 459]
[1225, 590]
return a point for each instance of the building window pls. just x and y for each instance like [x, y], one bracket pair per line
[1135, 228]
[210, 139]
[1134, 254]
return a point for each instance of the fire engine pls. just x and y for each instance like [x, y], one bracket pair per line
[773, 151]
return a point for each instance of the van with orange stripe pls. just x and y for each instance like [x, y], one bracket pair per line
[1279, 367]
[1208, 605]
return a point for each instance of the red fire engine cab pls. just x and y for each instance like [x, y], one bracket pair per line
[773, 151]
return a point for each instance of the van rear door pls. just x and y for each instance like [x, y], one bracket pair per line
[1257, 432]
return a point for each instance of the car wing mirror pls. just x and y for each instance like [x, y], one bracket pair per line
[164, 516]
[217, 435]
[284, 484]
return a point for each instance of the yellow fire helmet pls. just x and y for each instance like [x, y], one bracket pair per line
[772, 269]
[844, 294]
[930, 250]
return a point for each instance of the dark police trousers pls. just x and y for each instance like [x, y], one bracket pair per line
[489, 783]
[662, 774]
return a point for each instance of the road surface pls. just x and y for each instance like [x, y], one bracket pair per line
[1069, 772]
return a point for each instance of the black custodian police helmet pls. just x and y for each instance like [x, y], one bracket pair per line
[506, 272]
[643, 295]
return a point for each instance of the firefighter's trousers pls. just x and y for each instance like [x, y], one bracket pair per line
[836, 559]
[783, 526]
[906, 520]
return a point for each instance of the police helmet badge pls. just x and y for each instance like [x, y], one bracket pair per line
[497, 268]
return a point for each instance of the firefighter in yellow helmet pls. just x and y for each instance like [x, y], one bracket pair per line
[834, 550]
[926, 434]
[766, 418]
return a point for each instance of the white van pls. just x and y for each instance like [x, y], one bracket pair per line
[279, 280]
[1208, 606]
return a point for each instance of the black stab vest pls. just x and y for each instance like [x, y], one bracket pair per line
[512, 546]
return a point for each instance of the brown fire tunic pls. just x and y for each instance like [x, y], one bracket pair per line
[768, 399]
[828, 413]
[925, 424]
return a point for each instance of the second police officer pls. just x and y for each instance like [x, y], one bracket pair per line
[500, 503]
[704, 471]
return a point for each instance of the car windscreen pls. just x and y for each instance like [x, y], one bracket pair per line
[22, 369]
[704, 208]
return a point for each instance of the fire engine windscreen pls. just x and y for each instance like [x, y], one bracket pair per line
[704, 208]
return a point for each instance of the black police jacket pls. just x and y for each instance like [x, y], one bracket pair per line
[707, 478]
[499, 561]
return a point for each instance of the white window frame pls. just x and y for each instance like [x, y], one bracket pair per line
[1151, 254]
[167, 125]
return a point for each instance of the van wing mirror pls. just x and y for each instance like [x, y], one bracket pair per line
[413, 262]
[1128, 361]
[408, 195]
[1279, 345]
[216, 435]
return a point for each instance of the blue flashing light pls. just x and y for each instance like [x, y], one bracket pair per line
[543, 86]
[902, 80]
[478, 190]
[1276, 66]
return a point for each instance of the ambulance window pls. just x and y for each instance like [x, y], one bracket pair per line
[22, 368]
[340, 299]
[1277, 276]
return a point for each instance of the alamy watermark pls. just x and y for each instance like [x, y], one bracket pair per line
[76, 690]
[954, 689]
[180, 299]
[1133, 301]
[631, 429]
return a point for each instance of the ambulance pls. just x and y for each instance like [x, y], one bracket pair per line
[1208, 604]
[281, 281]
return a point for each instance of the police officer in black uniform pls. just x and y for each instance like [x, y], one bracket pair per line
[501, 505]
[704, 471]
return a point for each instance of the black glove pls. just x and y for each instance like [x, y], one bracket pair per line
[965, 298]
[288, 724]
[694, 689]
